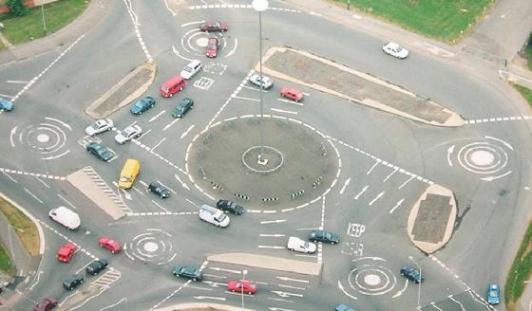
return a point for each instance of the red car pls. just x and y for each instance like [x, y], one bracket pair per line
[211, 26]
[242, 286]
[110, 244]
[65, 253]
[45, 304]
[212, 47]
[291, 93]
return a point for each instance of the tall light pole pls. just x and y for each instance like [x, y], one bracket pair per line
[43, 20]
[244, 272]
[260, 6]
[419, 284]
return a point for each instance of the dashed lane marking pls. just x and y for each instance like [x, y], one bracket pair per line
[237, 6]
[161, 214]
[17, 172]
[498, 119]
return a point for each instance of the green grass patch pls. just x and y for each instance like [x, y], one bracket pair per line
[528, 51]
[23, 226]
[446, 20]
[30, 26]
[2, 46]
[526, 92]
[5, 261]
[520, 271]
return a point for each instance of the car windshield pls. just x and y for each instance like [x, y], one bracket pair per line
[306, 245]
[125, 179]
[139, 104]
[493, 293]
[220, 217]
[212, 44]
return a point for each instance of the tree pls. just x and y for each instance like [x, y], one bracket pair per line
[16, 8]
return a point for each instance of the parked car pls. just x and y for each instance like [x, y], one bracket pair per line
[96, 266]
[130, 132]
[244, 286]
[412, 274]
[494, 294]
[214, 26]
[214, 216]
[230, 206]
[66, 252]
[142, 105]
[73, 281]
[65, 217]
[211, 50]
[112, 245]
[160, 190]
[172, 86]
[188, 272]
[324, 236]
[5, 105]
[343, 307]
[46, 304]
[395, 50]
[298, 245]
[265, 82]
[98, 127]
[292, 94]
[191, 69]
[100, 151]
[182, 107]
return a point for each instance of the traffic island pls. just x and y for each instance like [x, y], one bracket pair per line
[202, 307]
[431, 219]
[330, 77]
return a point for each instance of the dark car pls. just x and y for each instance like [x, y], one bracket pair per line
[324, 236]
[188, 272]
[214, 26]
[142, 105]
[182, 107]
[46, 304]
[211, 50]
[100, 151]
[160, 190]
[230, 206]
[96, 266]
[412, 274]
[73, 281]
[343, 307]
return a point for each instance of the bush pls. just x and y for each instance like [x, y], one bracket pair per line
[16, 8]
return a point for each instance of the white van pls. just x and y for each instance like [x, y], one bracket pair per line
[191, 69]
[214, 216]
[65, 217]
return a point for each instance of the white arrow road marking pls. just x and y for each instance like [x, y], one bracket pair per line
[449, 153]
[290, 286]
[341, 287]
[361, 192]
[286, 294]
[284, 278]
[345, 185]
[272, 221]
[271, 246]
[225, 270]
[209, 297]
[397, 205]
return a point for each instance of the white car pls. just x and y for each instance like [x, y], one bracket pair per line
[214, 216]
[99, 126]
[395, 50]
[191, 69]
[130, 132]
[298, 245]
[266, 82]
[65, 217]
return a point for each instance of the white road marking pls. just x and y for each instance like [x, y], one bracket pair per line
[390, 175]
[66, 201]
[458, 302]
[346, 183]
[169, 9]
[271, 235]
[246, 98]
[292, 287]
[171, 295]
[283, 111]
[341, 287]
[134, 19]
[6, 96]
[284, 278]
[233, 49]
[42, 182]
[10, 177]
[12, 134]
[449, 153]
[401, 291]
[209, 297]
[156, 116]
[308, 256]
[170, 124]
[371, 169]
[196, 205]
[264, 222]
[271, 246]
[434, 305]
[361, 192]
[406, 182]
[397, 205]
[114, 304]
[192, 23]
[16, 81]
[215, 284]
[144, 134]
[286, 294]
[158, 144]
[225, 270]
[187, 131]
[278, 309]
[33, 195]
[159, 206]
[289, 102]
[184, 185]
[376, 198]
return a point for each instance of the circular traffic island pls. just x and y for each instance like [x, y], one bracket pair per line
[288, 166]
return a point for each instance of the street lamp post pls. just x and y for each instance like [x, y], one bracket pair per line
[244, 272]
[260, 6]
[419, 284]
[43, 20]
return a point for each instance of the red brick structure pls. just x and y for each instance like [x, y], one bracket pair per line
[4, 8]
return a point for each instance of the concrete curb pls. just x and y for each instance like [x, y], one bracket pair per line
[92, 107]
[428, 247]
[455, 120]
[268, 262]
[202, 306]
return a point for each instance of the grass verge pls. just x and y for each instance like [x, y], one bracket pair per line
[23, 226]
[5, 261]
[528, 51]
[526, 92]
[441, 19]
[30, 27]
[520, 271]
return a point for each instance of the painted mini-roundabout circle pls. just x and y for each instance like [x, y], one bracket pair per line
[291, 164]
[47, 138]
[153, 246]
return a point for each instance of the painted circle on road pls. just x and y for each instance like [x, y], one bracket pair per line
[43, 138]
[371, 277]
[153, 246]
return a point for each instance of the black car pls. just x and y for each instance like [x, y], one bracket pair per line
[324, 236]
[412, 274]
[188, 272]
[230, 206]
[73, 281]
[96, 266]
[159, 189]
[182, 107]
[100, 151]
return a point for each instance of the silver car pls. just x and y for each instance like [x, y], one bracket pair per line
[395, 50]
[266, 82]
[99, 126]
[130, 132]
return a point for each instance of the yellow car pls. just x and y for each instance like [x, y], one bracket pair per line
[129, 174]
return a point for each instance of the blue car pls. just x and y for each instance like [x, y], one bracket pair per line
[142, 105]
[5, 105]
[412, 274]
[494, 294]
[343, 307]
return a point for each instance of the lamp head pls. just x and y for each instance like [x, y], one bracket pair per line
[260, 5]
